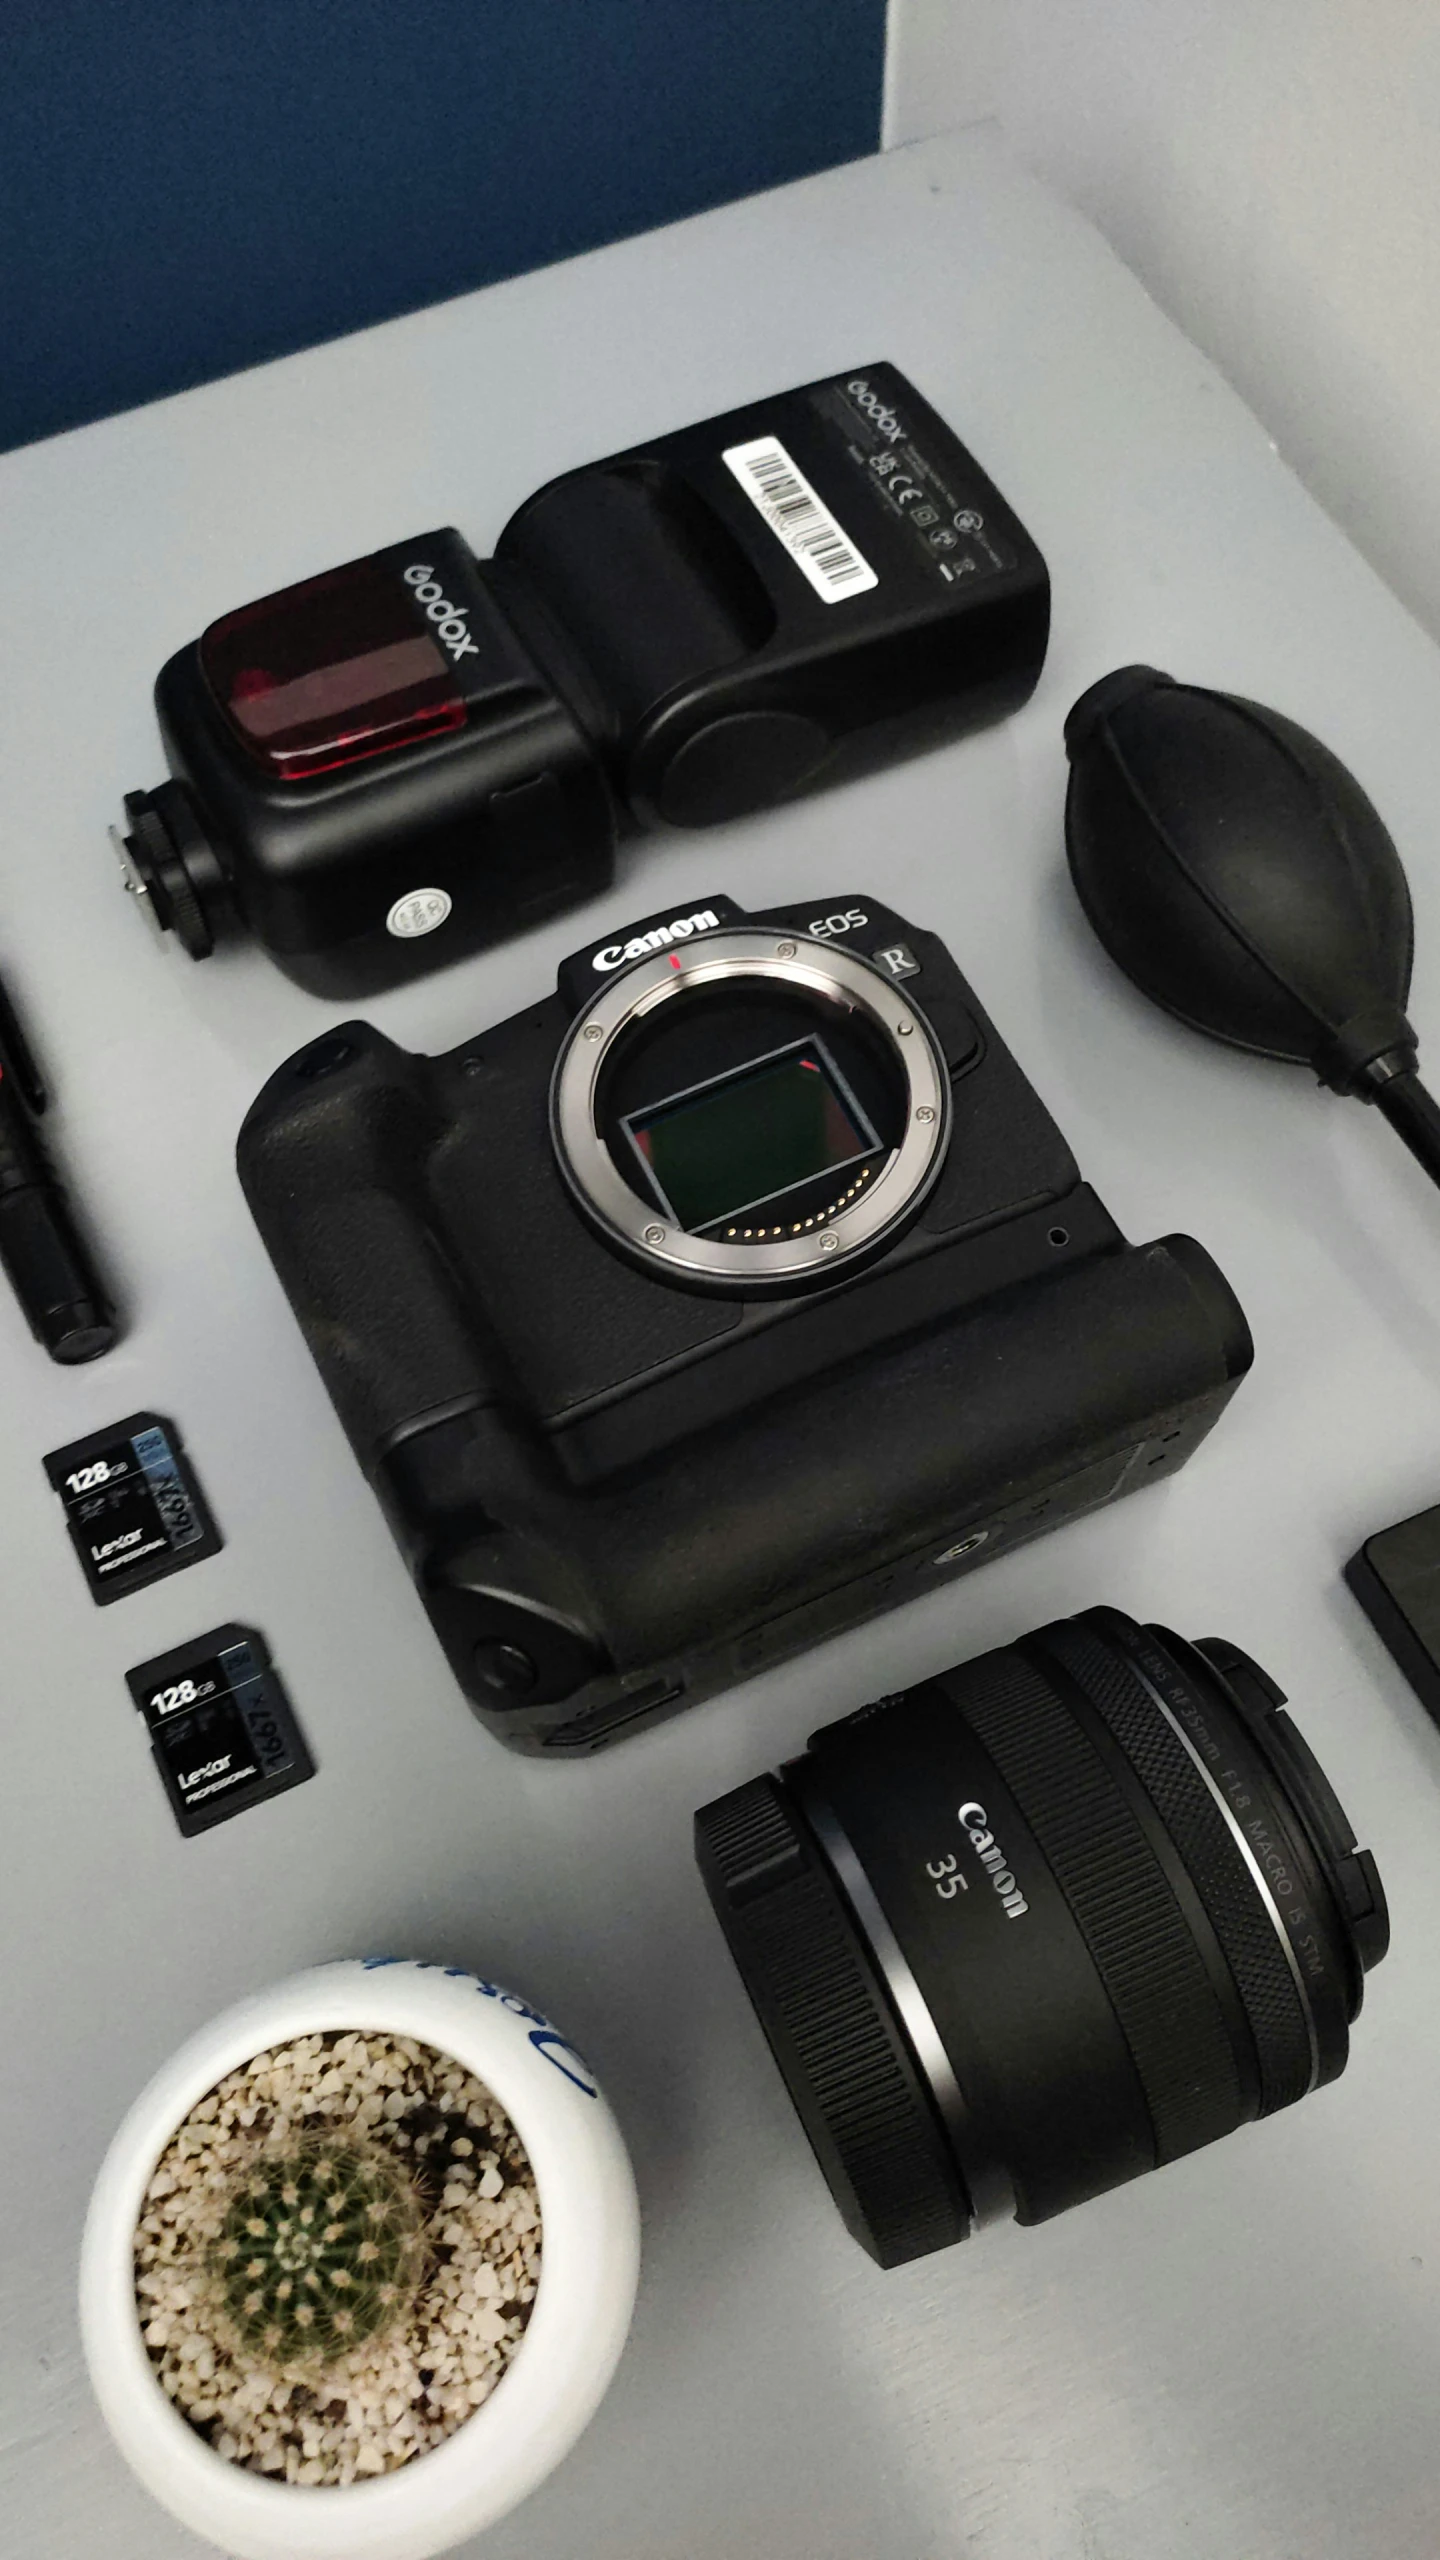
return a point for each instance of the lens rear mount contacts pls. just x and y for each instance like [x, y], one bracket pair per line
[1056, 1918]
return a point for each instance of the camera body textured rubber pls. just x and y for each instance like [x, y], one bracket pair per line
[617, 1494]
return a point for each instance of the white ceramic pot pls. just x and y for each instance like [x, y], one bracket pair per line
[589, 2265]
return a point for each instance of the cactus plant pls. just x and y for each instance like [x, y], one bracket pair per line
[321, 2248]
[337, 2255]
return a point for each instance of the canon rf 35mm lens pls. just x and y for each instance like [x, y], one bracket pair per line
[1050, 1920]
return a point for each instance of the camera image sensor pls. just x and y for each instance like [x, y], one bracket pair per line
[725, 1158]
[754, 1113]
[1057, 1917]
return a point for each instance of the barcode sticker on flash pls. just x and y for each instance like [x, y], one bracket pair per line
[791, 509]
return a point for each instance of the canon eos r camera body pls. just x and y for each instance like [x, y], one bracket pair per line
[739, 1290]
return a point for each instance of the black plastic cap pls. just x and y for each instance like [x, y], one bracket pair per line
[80, 1332]
[1395, 1576]
[851, 2074]
[1099, 700]
[50, 1270]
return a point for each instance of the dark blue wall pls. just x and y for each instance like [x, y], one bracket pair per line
[188, 186]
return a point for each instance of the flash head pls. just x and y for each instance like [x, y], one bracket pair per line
[397, 762]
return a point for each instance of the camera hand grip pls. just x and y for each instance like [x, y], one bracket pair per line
[329, 1157]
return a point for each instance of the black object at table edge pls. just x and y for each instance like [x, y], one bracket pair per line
[49, 1269]
[1385, 1574]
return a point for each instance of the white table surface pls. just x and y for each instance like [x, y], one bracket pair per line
[1235, 2360]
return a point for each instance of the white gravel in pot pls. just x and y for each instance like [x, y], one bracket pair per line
[397, 2395]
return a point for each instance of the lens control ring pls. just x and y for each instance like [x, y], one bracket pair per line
[1118, 1893]
[1233, 1890]
[861, 2097]
[834, 983]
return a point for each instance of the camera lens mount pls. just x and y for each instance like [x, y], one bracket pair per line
[1053, 1919]
[752, 1111]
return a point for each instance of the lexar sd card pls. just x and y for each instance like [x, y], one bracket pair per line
[221, 1728]
[132, 1505]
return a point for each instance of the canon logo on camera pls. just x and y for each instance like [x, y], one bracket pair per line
[451, 627]
[974, 1819]
[613, 955]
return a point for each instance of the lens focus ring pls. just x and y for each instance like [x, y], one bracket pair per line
[1138, 1937]
[1247, 1935]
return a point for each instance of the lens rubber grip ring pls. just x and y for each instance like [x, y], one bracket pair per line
[858, 2092]
[1139, 1939]
[1247, 1935]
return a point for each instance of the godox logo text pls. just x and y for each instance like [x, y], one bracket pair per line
[451, 626]
[878, 411]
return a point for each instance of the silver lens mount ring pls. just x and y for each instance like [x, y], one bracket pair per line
[797, 965]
